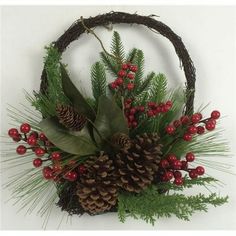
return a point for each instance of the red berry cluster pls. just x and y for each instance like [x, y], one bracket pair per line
[192, 125]
[125, 79]
[172, 168]
[151, 109]
[42, 147]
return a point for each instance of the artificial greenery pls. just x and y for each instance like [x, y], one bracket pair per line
[151, 205]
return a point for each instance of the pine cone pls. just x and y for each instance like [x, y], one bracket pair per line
[121, 140]
[70, 118]
[138, 166]
[97, 189]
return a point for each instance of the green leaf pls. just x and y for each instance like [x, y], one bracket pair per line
[110, 119]
[98, 79]
[76, 98]
[110, 63]
[145, 84]
[78, 143]
[131, 55]
[139, 61]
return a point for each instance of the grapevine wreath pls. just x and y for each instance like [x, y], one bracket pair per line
[132, 148]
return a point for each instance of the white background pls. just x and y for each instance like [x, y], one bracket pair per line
[209, 35]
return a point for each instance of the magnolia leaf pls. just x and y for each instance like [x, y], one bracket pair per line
[78, 143]
[76, 98]
[110, 119]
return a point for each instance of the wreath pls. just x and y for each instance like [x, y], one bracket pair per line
[132, 148]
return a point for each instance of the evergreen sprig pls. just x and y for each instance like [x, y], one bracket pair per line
[117, 48]
[98, 79]
[150, 205]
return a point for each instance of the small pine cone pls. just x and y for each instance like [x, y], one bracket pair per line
[70, 118]
[97, 189]
[121, 140]
[138, 166]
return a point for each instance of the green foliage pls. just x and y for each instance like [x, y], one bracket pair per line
[109, 120]
[74, 95]
[139, 61]
[98, 79]
[110, 63]
[150, 205]
[78, 143]
[131, 55]
[46, 103]
[158, 88]
[117, 48]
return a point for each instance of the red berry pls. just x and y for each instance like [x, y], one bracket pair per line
[177, 123]
[193, 174]
[184, 120]
[164, 178]
[150, 113]
[47, 169]
[177, 164]
[130, 76]
[141, 108]
[81, 169]
[39, 152]
[130, 86]
[177, 174]
[73, 176]
[42, 137]
[187, 137]
[32, 141]
[131, 118]
[127, 106]
[48, 175]
[151, 104]
[196, 118]
[164, 164]
[13, 133]
[200, 130]
[169, 103]
[128, 100]
[124, 66]
[184, 165]
[113, 85]
[210, 125]
[178, 181]
[21, 150]
[215, 115]
[34, 134]
[192, 129]
[122, 73]
[133, 68]
[166, 108]
[134, 124]
[169, 175]
[37, 162]
[170, 129]
[132, 111]
[25, 128]
[212, 121]
[17, 138]
[200, 170]
[158, 109]
[57, 168]
[171, 158]
[56, 156]
[119, 81]
[190, 157]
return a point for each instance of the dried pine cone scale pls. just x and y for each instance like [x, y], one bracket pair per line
[97, 190]
[138, 165]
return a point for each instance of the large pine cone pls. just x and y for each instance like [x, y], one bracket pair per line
[97, 189]
[138, 165]
[70, 118]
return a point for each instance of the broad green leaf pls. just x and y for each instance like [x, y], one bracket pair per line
[78, 143]
[76, 98]
[110, 119]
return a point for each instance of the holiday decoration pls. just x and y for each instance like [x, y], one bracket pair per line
[132, 147]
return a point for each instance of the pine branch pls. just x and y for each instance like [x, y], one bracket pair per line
[144, 86]
[117, 48]
[98, 79]
[111, 65]
[131, 55]
[139, 61]
[150, 205]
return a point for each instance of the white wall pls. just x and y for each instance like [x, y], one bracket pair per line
[209, 35]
